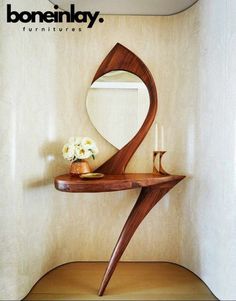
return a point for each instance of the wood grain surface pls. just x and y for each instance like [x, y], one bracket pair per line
[147, 199]
[69, 183]
[132, 281]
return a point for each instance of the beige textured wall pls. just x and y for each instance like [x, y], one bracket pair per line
[208, 209]
[45, 77]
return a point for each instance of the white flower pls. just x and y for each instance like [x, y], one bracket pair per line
[75, 140]
[79, 148]
[82, 152]
[68, 151]
[88, 143]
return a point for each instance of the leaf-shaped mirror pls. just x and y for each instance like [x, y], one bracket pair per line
[131, 68]
[117, 104]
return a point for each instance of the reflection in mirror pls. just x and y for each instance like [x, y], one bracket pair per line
[117, 104]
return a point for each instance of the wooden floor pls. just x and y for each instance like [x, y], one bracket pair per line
[131, 281]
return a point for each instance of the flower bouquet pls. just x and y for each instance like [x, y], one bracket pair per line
[77, 150]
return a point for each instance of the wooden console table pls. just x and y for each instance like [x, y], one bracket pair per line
[154, 185]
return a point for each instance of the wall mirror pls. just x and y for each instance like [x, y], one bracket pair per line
[117, 104]
[122, 105]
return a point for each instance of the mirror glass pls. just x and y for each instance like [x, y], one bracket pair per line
[117, 104]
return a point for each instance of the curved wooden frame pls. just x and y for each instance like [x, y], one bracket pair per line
[121, 58]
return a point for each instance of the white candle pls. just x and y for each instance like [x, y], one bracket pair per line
[162, 138]
[156, 137]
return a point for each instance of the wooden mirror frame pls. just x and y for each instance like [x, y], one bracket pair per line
[121, 58]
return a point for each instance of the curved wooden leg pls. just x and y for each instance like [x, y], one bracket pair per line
[147, 199]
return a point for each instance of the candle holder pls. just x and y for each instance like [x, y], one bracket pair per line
[159, 169]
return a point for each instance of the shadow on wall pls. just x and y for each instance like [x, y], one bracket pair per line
[55, 165]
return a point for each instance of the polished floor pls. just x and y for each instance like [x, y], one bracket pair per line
[131, 281]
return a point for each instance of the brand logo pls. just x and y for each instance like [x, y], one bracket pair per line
[56, 16]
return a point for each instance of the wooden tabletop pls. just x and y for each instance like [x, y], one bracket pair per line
[69, 183]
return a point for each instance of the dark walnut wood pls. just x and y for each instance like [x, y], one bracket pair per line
[148, 198]
[154, 185]
[69, 183]
[121, 58]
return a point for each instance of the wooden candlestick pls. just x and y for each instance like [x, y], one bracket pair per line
[159, 169]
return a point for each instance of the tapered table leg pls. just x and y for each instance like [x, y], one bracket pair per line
[147, 199]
